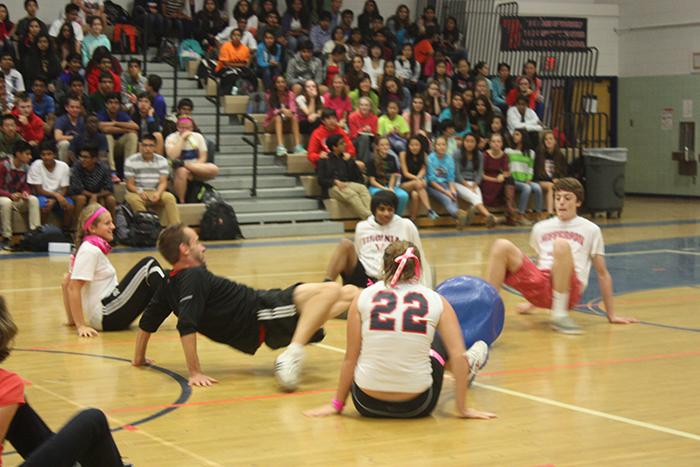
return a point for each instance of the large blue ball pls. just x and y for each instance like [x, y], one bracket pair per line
[478, 306]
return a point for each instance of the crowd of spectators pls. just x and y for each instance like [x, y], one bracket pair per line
[394, 100]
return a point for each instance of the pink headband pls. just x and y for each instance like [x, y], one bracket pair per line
[184, 119]
[92, 218]
[402, 264]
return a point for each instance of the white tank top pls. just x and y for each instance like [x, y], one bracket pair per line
[398, 326]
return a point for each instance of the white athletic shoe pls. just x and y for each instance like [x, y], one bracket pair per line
[477, 356]
[566, 325]
[288, 366]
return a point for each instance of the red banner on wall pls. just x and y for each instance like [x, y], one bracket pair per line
[543, 32]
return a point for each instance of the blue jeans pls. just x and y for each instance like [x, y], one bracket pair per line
[399, 192]
[524, 189]
[445, 200]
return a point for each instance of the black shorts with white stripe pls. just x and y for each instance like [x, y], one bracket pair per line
[278, 317]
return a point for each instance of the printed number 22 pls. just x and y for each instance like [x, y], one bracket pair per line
[416, 307]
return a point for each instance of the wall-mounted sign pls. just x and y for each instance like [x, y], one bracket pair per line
[543, 32]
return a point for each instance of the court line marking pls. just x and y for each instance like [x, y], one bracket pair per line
[563, 405]
[595, 413]
[140, 430]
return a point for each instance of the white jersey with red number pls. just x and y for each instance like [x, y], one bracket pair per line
[372, 238]
[398, 326]
[583, 236]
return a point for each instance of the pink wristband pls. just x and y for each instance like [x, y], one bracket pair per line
[338, 405]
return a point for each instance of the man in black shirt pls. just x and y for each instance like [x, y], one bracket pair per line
[235, 314]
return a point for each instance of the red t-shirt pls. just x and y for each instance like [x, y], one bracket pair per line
[11, 393]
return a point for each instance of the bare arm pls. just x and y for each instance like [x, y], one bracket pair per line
[189, 346]
[605, 283]
[142, 338]
[347, 370]
[449, 330]
[76, 308]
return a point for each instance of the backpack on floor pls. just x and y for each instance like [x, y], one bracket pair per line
[116, 13]
[144, 230]
[219, 223]
[123, 218]
[189, 50]
[201, 192]
[39, 238]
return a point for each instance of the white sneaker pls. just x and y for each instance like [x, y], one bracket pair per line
[565, 325]
[477, 356]
[288, 366]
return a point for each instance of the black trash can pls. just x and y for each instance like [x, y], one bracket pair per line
[605, 179]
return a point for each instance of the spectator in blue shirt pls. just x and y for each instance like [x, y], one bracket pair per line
[441, 179]
[321, 32]
[44, 105]
[121, 131]
[153, 85]
[269, 58]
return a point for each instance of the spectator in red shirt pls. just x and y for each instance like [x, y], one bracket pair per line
[317, 143]
[15, 193]
[101, 62]
[363, 129]
[29, 125]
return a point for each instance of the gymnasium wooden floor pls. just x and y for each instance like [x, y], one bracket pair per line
[618, 395]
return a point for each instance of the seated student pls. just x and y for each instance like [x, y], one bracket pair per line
[185, 108]
[29, 126]
[92, 136]
[5, 105]
[235, 314]
[393, 126]
[303, 66]
[340, 178]
[73, 66]
[309, 107]
[43, 104]
[76, 89]
[133, 83]
[384, 173]
[121, 132]
[363, 126]
[419, 121]
[14, 82]
[522, 117]
[337, 99]
[15, 193]
[146, 174]
[93, 298]
[41, 61]
[177, 17]
[360, 263]
[68, 126]
[8, 135]
[94, 38]
[413, 169]
[98, 99]
[153, 85]
[20, 31]
[394, 366]
[144, 115]
[521, 161]
[317, 142]
[208, 22]
[566, 246]
[469, 170]
[281, 116]
[91, 181]
[86, 438]
[188, 151]
[50, 180]
[364, 89]
[100, 64]
[523, 89]
[233, 54]
[440, 177]
[550, 165]
[269, 59]
[321, 33]
[497, 185]
[72, 13]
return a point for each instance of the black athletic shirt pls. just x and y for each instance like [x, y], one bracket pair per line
[216, 307]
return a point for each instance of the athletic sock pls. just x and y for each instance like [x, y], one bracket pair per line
[560, 304]
[295, 349]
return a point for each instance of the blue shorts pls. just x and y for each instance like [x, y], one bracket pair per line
[44, 200]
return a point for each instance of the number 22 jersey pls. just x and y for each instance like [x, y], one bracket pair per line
[398, 326]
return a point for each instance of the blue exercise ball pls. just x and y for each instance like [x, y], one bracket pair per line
[478, 306]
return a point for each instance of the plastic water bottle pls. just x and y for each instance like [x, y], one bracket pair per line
[234, 91]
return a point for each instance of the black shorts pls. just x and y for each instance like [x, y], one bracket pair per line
[359, 277]
[420, 406]
[278, 317]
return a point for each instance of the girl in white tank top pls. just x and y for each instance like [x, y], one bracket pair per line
[394, 361]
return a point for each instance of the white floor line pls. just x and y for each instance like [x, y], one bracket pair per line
[200, 459]
[596, 413]
[562, 405]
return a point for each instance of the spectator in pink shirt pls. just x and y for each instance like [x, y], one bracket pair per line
[281, 116]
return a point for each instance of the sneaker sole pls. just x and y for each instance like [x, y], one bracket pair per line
[567, 331]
